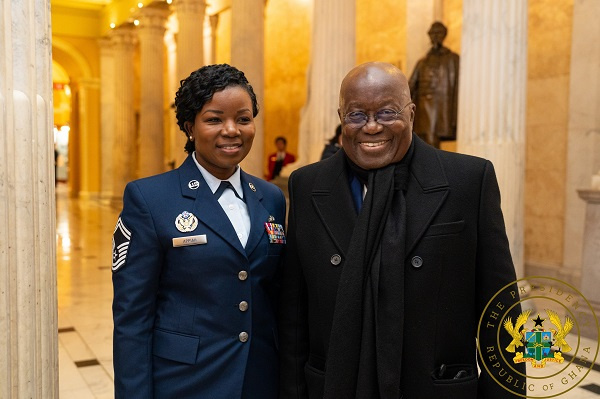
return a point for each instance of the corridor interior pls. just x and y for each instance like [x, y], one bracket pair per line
[84, 244]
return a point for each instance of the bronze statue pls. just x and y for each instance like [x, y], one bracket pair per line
[434, 88]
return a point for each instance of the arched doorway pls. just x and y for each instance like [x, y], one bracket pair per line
[74, 74]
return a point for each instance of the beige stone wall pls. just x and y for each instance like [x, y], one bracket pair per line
[381, 32]
[452, 18]
[549, 52]
[287, 41]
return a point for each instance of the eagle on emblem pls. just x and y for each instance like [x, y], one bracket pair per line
[514, 330]
[561, 330]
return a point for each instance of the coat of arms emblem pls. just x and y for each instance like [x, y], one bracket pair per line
[538, 343]
[186, 222]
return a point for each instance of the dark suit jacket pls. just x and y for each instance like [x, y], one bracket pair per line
[457, 258]
[176, 309]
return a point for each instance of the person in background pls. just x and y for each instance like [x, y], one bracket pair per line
[196, 253]
[279, 159]
[334, 144]
[394, 250]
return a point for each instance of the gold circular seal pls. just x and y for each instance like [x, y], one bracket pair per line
[546, 337]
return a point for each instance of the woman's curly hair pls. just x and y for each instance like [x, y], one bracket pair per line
[199, 88]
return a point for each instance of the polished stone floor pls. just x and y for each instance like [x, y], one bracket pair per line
[84, 240]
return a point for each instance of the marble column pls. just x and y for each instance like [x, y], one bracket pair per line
[28, 301]
[491, 106]
[332, 56]
[89, 139]
[151, 33]
[190, 53]
[124, 139]
[583, 140]
[247, 54]
[107, 117]
[214, 24]
[590, 273]
[172, 86]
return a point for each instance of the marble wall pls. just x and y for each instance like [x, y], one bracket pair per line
[387, 43]
[549, 53]
[287, 33]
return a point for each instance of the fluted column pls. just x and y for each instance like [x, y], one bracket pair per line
[332, 56]
[584, 126]
[151, 33]
[247, 54]
[124, 148]
[107, 116]
[28, 302]
[214, 23]
[89, 139]
[190, 52]
[491, 108]
[172, 86]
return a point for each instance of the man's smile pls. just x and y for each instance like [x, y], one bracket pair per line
[373, 144]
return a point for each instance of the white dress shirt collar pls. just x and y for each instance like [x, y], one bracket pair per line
[213, 183]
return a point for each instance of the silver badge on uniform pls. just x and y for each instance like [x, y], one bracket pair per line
[271, 218]
[252, 187]
[186, 222]
[193, 184]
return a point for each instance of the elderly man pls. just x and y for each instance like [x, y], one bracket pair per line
[394, 249]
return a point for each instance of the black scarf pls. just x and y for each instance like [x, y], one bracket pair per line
[365, 348]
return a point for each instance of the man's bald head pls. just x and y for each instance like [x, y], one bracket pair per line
[371, 89]
[374, 72]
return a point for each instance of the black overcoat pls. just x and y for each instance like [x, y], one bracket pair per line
[457, 258]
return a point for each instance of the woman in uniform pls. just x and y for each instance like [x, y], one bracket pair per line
[196, 253]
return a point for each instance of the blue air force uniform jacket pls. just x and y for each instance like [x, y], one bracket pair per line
[195, 321]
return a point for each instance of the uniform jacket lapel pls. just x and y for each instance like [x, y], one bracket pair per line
[258, 213]
[333, 201]
[427, 190]
[206, 208]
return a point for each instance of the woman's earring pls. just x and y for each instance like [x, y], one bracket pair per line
[191, 138]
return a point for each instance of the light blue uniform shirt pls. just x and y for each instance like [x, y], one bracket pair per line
[235, 209]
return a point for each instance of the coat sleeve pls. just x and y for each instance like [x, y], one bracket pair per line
[135, 284]
[293, 316]
[495, 270]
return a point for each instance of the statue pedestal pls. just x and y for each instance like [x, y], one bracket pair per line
[590, 271]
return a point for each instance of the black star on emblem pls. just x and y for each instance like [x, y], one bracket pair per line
[538, 321]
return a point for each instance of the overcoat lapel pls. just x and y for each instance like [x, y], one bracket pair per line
[206, 207]
[258, 213]
[427, 190]
[333, 201]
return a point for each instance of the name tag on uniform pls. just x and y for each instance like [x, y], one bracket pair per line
[190, 240]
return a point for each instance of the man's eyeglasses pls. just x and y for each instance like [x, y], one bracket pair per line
[357, 119]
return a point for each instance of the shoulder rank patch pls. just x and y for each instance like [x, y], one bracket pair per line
[121, 239]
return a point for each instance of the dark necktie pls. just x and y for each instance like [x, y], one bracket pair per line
[224, 185]
[356, 189]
